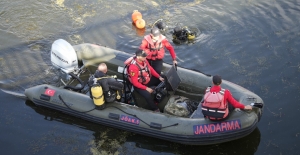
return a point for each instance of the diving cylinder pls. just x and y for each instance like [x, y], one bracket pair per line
[97, 94]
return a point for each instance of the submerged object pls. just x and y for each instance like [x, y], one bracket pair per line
[131, 112]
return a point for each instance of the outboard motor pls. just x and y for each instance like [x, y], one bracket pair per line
[64, 58]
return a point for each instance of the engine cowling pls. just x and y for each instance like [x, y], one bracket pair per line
[63, 56]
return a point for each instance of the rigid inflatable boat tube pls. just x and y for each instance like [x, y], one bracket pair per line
[151, 125]
[71, 108]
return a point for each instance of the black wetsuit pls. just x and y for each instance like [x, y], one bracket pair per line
[109, 86]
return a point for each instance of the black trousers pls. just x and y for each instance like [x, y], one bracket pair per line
[157, 66]
[147, 97]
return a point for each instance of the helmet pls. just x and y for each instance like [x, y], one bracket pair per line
[155, 32]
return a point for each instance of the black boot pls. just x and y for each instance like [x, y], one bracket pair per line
[101, 107]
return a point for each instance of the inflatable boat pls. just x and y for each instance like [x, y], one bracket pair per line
[179, 121]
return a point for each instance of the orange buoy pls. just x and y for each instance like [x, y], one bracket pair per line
[140, 23]
[136, 15]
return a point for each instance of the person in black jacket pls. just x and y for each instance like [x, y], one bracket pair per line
[109, 85]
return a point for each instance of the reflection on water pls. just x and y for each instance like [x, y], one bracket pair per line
[139, 32]
[110, 141]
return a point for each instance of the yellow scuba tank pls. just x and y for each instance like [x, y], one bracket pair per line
[98, 96]
[183, 34]
[191, 36]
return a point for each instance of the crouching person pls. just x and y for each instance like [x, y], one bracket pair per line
[104, 89]
[218, 103]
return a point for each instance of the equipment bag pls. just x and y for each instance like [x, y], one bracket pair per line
[213, 105]
[180, 106]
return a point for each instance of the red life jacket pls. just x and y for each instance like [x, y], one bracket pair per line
[144, 71]
[157, 50]
[214, 107]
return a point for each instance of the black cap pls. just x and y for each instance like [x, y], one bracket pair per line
[140, 52]
[217, 80]
[155, 32]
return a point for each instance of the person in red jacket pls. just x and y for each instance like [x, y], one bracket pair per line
[140, 72]
[154, 45]
[217, 80]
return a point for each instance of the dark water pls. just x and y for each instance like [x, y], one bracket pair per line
[253, 43]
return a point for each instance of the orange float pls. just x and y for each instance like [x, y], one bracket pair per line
[136, 15]
[140, 23]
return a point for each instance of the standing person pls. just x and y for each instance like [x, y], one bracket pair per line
[140, 72]
[218, 102]
[154, 45]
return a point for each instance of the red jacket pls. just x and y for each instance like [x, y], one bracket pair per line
[228, 97]
[133, 72]
[157, 54]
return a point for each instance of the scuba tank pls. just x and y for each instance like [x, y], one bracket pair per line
[190, 35]
[97, 94]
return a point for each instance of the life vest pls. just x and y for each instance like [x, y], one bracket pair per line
[214, 107]
[156, 49]
[144, 71]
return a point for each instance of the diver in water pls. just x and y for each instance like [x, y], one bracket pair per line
[181, 34]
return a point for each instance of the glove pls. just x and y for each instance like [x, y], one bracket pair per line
[258, 105]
